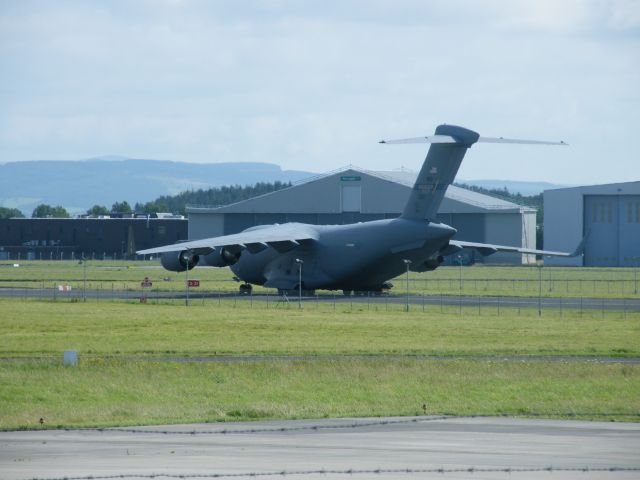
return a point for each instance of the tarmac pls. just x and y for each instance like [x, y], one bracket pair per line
[416, 301]
[364, 448]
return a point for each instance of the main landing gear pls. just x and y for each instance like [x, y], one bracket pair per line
[246, 289]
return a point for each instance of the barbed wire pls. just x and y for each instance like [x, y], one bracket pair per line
[379, 471]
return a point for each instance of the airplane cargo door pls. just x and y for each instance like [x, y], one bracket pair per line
[351, 198]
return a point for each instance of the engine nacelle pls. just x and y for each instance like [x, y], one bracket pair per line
[223, 257]
[428, 265]
[178, 261]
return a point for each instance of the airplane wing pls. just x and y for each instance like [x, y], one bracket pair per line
[488, 249]
[280, 237]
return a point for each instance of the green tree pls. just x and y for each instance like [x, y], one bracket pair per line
[98, 210]
[10, 213]
[45, 211]
[121, 207]
[213, 196]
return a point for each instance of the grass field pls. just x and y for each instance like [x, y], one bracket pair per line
[106, 393]
[476, 280]
[120, 380]
[48, 328]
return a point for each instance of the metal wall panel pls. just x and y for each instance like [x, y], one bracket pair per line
[629, 231]
[601, 220]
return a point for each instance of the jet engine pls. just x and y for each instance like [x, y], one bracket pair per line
[223, 257]
[428, 265]
[178, 261]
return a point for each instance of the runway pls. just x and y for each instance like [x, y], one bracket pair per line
[374, 448]
[424, 302]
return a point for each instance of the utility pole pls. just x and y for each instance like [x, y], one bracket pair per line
[187, 257]
[539, 264]
[84, 285]
[300, 263]
[460, 295]
[407, 263]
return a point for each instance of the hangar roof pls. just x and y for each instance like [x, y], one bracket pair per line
[382, 192]
[623, 188]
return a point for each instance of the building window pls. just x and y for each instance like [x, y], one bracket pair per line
[609, 212]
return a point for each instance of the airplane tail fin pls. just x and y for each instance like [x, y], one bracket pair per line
[445, 155]
[448, 147]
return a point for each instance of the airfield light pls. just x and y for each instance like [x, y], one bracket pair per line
[407, 263]
[300, 262]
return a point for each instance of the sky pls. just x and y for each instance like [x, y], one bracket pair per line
[313, 85]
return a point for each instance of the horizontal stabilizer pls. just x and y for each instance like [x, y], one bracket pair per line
[450, 139]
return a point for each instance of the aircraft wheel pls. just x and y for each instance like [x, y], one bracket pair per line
[245, 289]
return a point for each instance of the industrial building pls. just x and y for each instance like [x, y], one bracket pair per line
[354, 195]
[95, 238]
[610, 214]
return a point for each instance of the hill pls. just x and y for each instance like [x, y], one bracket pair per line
[77, 185]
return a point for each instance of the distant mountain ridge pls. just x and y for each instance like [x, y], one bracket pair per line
[78, 185]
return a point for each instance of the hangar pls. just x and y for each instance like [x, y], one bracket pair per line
[611, 215]
[355, 195]
[99, 238]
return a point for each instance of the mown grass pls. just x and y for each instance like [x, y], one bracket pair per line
[480, 280]
[31, 328]
[109, 393]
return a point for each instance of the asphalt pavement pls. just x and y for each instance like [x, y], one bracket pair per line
[416, 301]
[374, 448]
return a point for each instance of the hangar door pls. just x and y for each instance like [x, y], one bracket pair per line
[351, 198]
[614, 225]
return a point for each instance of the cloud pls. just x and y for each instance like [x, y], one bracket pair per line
[314, 85]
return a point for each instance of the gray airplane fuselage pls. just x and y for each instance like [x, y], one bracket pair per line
[356, 257]
[361, 256]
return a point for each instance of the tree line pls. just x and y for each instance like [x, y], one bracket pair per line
[176, 204]
[534, 201]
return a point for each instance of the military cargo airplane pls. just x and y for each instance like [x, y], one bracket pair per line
[359, 257]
